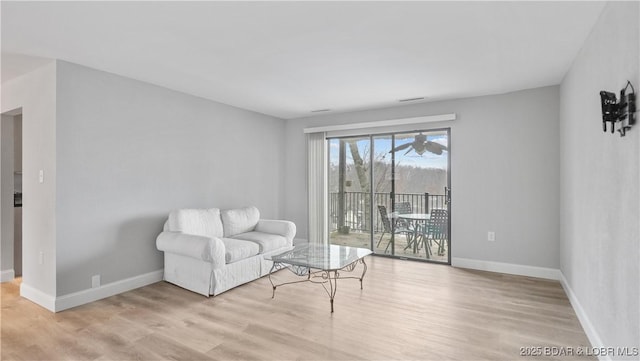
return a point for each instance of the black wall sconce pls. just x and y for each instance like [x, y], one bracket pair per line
[618, 114]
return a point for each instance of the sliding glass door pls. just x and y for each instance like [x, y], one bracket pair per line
[350, 191]
[390, 193]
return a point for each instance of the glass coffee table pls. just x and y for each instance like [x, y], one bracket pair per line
[320, 264]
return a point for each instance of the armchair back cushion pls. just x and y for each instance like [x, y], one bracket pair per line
[240, 220]
[200, 222]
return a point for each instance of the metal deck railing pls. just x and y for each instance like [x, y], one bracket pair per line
[356, 208]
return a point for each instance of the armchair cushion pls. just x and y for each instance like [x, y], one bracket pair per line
[286, 229]
[200, 222]
[267, 241]
[239, 220]
[237, 249]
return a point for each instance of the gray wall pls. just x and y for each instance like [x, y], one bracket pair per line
[35, 93]
[600, 244]
[504, 175]
[129, 152]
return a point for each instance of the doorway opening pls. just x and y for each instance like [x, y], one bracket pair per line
[11, 195]
[391, 193]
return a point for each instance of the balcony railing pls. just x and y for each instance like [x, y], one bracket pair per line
[356, 208]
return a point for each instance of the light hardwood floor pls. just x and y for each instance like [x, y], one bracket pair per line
[407, 310]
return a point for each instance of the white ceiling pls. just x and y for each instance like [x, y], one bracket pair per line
[288, 58]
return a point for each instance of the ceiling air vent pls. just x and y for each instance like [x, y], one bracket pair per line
[410, 99]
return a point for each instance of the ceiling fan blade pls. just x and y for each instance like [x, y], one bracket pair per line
[400, 147]
[407, 152]
[435, 148]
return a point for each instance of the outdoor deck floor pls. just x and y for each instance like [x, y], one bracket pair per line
[363, 240]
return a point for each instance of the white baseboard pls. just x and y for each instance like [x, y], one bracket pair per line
[7, 276]
[591, 332]
[38, 297]
[110, 289]
[509, 268]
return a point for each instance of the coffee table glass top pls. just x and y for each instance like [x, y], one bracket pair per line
[328, 258]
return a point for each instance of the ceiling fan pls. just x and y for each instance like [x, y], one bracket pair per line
[420, 144]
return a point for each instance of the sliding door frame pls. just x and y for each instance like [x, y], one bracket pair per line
[393, 135]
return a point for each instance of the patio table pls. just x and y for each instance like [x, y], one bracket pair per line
[415, 218]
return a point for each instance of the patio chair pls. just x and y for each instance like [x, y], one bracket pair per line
[436, 231]
[398, 229]
[403, 208]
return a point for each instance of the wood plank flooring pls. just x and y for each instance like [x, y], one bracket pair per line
[407, 310]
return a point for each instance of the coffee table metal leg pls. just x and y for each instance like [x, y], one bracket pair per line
[273, 295]
[364, 271]
[333, 286]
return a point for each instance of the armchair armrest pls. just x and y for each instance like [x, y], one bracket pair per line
[286, 229]
[198, 247]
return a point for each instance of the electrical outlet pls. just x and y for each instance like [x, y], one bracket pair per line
[491, 236]
[95, 281]
[41, 257]
[41, 176]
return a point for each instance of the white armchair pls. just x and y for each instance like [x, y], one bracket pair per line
[209, 251]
